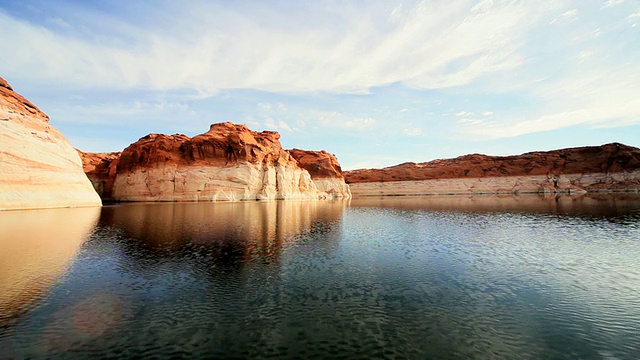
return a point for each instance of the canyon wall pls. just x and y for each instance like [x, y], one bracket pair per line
[227, 163]
[607, 168]
[325, 171]
[38, 167]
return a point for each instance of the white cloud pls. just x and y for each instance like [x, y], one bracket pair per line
[56, 21]
[634, 19]
[567, 16]
[598, 98]
[413, 132]
[427, 45]
[584, 56]
[283, 125]
[611, 3]
[338, 120]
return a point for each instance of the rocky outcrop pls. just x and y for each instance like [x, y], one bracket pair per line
[227, 163]
[38, 167]
[101, 171]
[325, 172]
[607, 168]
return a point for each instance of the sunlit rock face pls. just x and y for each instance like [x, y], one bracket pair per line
[607, 168]
[227, 163]
[325, 171]
[38, 167]
[36, 248]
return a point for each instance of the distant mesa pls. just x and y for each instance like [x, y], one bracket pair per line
[608, 168]
[38, 166]
[229, 162]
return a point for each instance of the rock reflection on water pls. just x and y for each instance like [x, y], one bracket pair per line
[592, 204]
[239, 232]
[36, 249]
[433, 277]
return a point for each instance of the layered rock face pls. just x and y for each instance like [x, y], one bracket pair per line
[325, 172]
[227, 163]
[38, 167]
[607, 168]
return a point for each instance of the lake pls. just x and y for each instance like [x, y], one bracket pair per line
[452, 277]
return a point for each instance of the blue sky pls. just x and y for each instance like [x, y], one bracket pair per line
[377, 83]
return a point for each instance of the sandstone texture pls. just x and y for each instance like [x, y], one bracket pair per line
[324, 170]
[38, 167]
[607, 168]
[227, 163]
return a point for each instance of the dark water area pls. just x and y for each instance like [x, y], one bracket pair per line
[451, 277]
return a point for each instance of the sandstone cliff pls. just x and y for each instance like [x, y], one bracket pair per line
[606, 168]
[325, 171]
[38, 167]
[227, 163]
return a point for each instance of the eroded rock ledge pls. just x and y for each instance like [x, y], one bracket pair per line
[608, 168]
[38, 166]
[229, 162]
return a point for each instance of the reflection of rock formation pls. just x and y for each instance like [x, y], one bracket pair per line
[244, 230]
[38, 167]
[36, 248]
[605, 204]
[227, 163]
[610, 167]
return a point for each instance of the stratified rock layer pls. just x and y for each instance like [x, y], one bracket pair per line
[38, 167]
[227, 163]
[607, 168]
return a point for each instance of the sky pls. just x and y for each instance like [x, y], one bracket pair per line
[376, 83]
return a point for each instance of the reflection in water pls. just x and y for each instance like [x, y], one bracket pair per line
[432, 277]
[592, 205]
[36, 247]
[240, 231]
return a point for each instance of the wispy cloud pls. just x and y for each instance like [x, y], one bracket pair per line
[611, 3]
[367, 75]
[424, 44]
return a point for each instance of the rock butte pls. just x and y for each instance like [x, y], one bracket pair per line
[607, 168]
[227, 163]
[38, 167]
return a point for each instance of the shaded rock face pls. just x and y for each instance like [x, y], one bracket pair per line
[610, 167]
[101, 170]
[325, 171]
[227, 163]
[38, 166]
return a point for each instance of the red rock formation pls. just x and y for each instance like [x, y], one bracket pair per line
[101, 169]
[223, 145]
[592, 159]
[38, 166]
[320, 164]
[13, 102]
[608, 167]
[325, 171]
[228, 162]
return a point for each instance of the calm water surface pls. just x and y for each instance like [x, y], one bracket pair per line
[433, 277]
